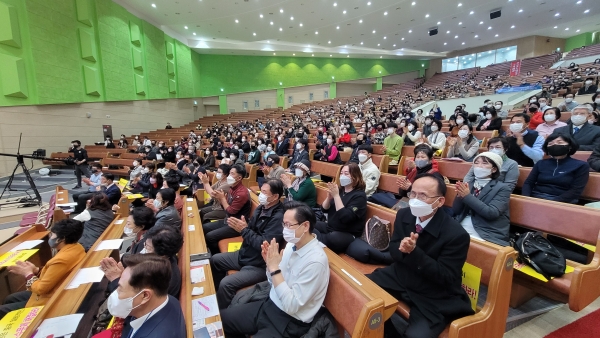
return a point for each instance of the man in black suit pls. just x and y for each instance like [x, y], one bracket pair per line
[111, 190]
[300, 152]
[587, 135]
[588, 88]
[429, 249]
[282, 145]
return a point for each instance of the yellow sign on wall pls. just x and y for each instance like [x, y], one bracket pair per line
[16, 322]
[471, 278]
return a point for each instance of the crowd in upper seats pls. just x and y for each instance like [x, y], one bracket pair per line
[428, 246]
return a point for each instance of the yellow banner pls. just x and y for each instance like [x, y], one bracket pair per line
[134, 196]
[526, 269]
[234, 246]
[471, 277]
[122, 184]
[206, 197]
[11, 258]
[16, 322]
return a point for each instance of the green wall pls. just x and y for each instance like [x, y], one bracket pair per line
[242, 73]
[64, 51]
[583, 39]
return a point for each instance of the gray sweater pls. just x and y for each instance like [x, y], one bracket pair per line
[93, 228]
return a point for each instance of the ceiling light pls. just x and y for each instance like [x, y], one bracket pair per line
[402, 39]
[369, 3]
[329, 55]
[578, 2]
[426, 15]
[586, 11]
[481, 22]
[338, 27]
[413, 3]
[329, 42]
[476, 36]
[490, 27]
[567, 28]
[252, 34]
[384, 37]
[348, 55]
[373, 31]
[237, 21]
[378, 44]
[194, 33]
[394, 45]
[334, 4]
[154, 5]
[520, 10]
[463, 43]
[555, 27]
[312, 55]
[496, 35]
[471, 12]
[281, 83]
[301, 24]
[221, 89]
[185, 27]
[344, 12]
[456, 36]
[384, 13]
[577, 31]
[261, 16]
[410, 30]
[268, 41]
[360, 21]
[445, 43]
[292, 18]
[557, 14]
[447, 32]
[274, 54]
[439, 23]
[293, 54]
[281, 10]
[460, 23]
[513, 26]
[280, 29]
[361, 42]
[271, 23]
[317, 33]
[381, 57]
[459, 4]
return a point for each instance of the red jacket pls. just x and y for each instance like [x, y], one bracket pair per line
[345, 139]
[536, 119]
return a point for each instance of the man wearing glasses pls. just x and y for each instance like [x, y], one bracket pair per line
[429, 249]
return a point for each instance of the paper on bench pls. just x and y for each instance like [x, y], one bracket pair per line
[110, 244]
[119, 221]
[190, 199]
[72, 204]
[200, 262]
[59, 326]
[197, 291]
[197, 274]
[86, 275]
[204, 307]
[27, 245]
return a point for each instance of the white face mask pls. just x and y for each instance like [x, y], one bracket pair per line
[419, 208]
[269, 149]
[232, 157]
[591, 121]
[489, 105]
[597, 101]
[411, 127]
[121, 307]
[263, 199]
[223, 154]
[219, 176]
[488, 116]
[298, 146]
[345, 180]
[542, 104]
[549, 117]
[298, 172]
[578, 119]
[460, 121]
[434, 128]
[588, 82]
[207, 152]
[568, 100]
[290, 236]
[463, 133]
[329, 141]
[482, 172]
[362, 158]
[427, 122]
[516, 127]
[533, 100]
[402, 125]
[390, 131]
[496, 151]
[128, 231]
[157, 204]
[498, 107]
[230, 180]
[178, 156]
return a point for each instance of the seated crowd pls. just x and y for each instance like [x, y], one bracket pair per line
[427, 249]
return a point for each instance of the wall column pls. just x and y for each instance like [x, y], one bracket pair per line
[332, 90]
[281, 97]
[223, 105]
[379, 84]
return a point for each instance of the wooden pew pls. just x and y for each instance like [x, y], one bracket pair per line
[120, 163]
[591, 191]
[251, 170]
[193, 243]
[62, 196]
[66, 302]
[326, 169]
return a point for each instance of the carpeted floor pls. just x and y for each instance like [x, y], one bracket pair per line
[587, 326]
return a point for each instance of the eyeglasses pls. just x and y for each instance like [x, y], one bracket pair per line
[420, 196]
[289, 226]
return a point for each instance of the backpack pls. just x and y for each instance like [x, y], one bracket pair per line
[377, 233]
[536, 251]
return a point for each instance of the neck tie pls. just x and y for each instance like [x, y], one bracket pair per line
[575, 130]
[419, 228]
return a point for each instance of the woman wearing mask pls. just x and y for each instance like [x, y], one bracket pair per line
[225, 156]
[214, 210]
[346, 208]
[379, 134]
[41, 283]
[427, 126]
[141, 184]
[551, 121]
[209, 159]
[536, 115]
[465, 146]
[491, 121]
[123, 144]
[268, 151]
[170, 155]
[596, 102]
[509, 172]
[595, 119]
[97, 218]
[140, 220]
[560, 178]
[235, 157]
[166, 242]
[345, 140]
[437, 139]
[254, 154]
[156, 183]
[482, 206]
[423, 163]
[302, 189]
[136, 142]
[164, 204]
[330, 152]
[411, 134]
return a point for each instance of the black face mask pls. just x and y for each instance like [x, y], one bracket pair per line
[558, 150]
[533, 109]
[359, 142]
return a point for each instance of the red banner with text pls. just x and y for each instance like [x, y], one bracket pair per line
[515, 68]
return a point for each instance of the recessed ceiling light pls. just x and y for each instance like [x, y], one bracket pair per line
[445, 43]
[369, 3]
[317, 33]
[344, 12]
[360, 21]
[402, 39]
[394, 45]
[481, 22]
[338, 27]
[578, 2]
[281, 83]
[334, 4]
[459, 4]
[439, 23]
[381, 57]
[513, 26]
[567, 28]
[378, 44]
[373, 31]
[555, 27]
[577, 31]
[401, 48]
[496, 35]
[384, 13]
[329, 42]
[557, 14]
[281, 10]
[413, 3]
[312, 54]
[361, 42]
[271, 23]
[426, 15]
[292, 18]
[476, 36]
[293, 54]
[252, 34]
[520, 10]
[274, 54]
[490, 27]
[301, 24]
[586, 11]
[348, 55]
[447, 32]
[261, 16]
[221, 89]
[154, 5]
[329, 55]
[194, 33]
[268, 41]
[463, 43]
[385, 37]
[460, 23]
[471, 12]
[410, 30]
[456, 36]
[237, 21]
[280, 29]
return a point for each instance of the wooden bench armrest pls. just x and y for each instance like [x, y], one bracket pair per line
[584, 282]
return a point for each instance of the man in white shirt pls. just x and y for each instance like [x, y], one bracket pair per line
[299, 278]
[93, 182]
[369, 170]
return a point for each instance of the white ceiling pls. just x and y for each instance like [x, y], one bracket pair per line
[401, 33]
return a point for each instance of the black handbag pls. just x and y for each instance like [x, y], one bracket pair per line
[536, 251]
